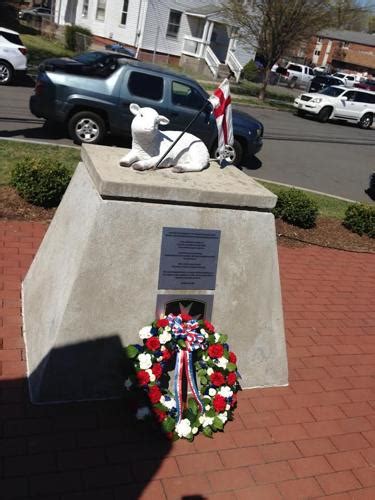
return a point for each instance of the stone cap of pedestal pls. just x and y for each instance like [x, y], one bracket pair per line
[215, 186]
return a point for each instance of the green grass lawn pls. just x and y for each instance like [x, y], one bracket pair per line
[42, 48]
[11, 152]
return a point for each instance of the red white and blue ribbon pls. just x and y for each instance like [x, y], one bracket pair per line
[186, 331]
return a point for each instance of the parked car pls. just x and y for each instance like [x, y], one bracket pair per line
[13, 56]
[91, 107]
[117, 47]
[35, 13]
[356, 106]
[366, 84]
[349, 80]
[320, 82]
[297, 74]
[94, 63]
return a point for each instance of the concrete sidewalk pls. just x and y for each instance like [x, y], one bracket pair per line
[313, 439]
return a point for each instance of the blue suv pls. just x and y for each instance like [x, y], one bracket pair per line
[92, 106]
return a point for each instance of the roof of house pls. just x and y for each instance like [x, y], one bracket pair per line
[214, 12]
[349, 36]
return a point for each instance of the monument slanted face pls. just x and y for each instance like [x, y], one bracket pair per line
[149, 144]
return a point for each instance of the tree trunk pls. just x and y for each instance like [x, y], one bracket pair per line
[262, 92]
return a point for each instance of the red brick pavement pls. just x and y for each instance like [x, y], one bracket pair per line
[313, 439]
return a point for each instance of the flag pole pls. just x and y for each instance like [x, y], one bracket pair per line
[187, 127]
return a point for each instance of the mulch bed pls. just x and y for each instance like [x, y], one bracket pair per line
[326, 233]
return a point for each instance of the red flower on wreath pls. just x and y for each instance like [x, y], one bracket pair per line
[143, 377]
[217, 379]
[186, 317]
[159, 414]
[215, 351]
[166, 355]
[231, 378]
[153, 344]
[209, 326]
[232, 358]
[162, 323]
[157, 370]
[219, 403]
[154, 394]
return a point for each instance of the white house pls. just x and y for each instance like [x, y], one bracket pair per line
[184, 32]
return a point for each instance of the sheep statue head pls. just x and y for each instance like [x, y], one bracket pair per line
[149, 144]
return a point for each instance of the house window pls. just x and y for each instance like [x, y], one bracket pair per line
[124, 13]
[174, 23]
[100, 10]
[85, 8]
[319, 39]
[317, 52]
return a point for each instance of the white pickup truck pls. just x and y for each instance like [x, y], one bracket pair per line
[297, 74]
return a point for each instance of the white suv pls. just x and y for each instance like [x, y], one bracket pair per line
[12, 56]
[339, 102]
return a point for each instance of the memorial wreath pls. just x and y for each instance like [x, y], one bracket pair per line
[192, 348]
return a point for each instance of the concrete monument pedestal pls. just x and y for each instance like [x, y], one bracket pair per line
[94, 281]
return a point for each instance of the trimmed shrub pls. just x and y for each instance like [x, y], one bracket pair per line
[71, 38]
[250, 71]
[41, 181]
[360, 219]
[296, 207]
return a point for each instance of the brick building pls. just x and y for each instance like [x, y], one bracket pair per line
[351, 51]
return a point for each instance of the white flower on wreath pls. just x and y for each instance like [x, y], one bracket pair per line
[227, 407]
[145, 332]
[165, 337]
[222, 363]
[210, 371]
[212, 392]
[151, 375]
[128, 383]
[194, 430]
[205, 421]
[225, 391]
[145, 361]
[183, 428]
[217, 337]
[204, 333]
[167, 329]
[142, 413]
[223, 416]
[168, 402]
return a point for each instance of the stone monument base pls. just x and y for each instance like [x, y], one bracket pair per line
[94, 281]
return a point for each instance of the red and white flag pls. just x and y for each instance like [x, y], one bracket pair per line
[221, 102]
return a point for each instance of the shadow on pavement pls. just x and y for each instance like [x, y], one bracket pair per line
[87, 450]
[251, 163]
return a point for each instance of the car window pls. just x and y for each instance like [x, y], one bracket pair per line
[11, 37]
[365, 97]
[144, 85]
[335, 81]
[351, 78]
[350, 95]
[184, 95]
[332, 91]
[311, 72]
[294, 67]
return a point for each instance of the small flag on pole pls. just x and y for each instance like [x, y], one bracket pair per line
[221, 102]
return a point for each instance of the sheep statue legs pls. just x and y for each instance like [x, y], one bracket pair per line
[149, 144]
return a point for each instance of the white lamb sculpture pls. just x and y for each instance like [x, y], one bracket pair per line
[149, 144]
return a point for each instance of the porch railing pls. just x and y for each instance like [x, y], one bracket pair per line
[212, 61]
[196, 47]
[234, 64]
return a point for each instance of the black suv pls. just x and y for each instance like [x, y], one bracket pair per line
[321, 82]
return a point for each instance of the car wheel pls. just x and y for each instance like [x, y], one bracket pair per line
[293, 83]
[366, 120]
[324, 114]
[6, 73]
[87, 127]
[233, 154]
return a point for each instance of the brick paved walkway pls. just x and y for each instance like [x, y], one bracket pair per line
[313, 439]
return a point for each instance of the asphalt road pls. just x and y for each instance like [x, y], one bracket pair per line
[335, 158]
